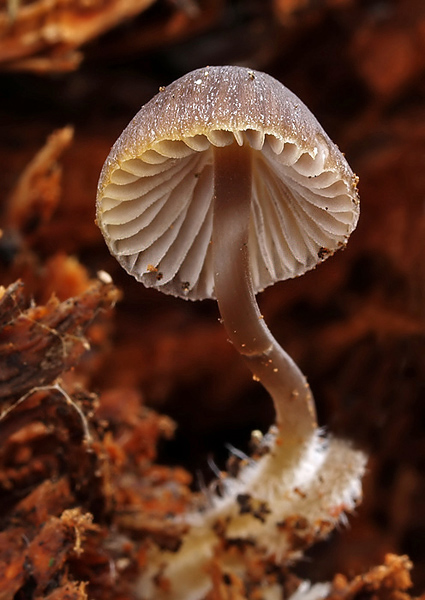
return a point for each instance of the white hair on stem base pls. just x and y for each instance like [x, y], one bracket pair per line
[300, 490]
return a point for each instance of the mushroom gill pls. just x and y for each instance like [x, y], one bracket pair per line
[157, 211]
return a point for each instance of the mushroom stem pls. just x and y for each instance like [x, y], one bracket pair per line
[245, 326]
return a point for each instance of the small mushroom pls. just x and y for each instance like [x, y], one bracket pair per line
[223, 184]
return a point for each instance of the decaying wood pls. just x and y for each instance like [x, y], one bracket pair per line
[28, 208]
[78, 487]
[45, 35]
[389, 581]
[38, 343]
[38, 190]
[63, 465]
[43, 556]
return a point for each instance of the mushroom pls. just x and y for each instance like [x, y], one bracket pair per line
[223, 184]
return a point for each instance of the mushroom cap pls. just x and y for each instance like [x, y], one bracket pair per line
[156, 188]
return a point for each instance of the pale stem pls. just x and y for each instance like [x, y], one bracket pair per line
[245, 326]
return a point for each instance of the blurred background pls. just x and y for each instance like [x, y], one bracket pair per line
[355, 325]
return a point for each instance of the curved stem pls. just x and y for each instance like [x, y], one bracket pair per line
[294, 405]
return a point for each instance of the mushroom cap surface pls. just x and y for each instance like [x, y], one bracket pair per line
[156, 188]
